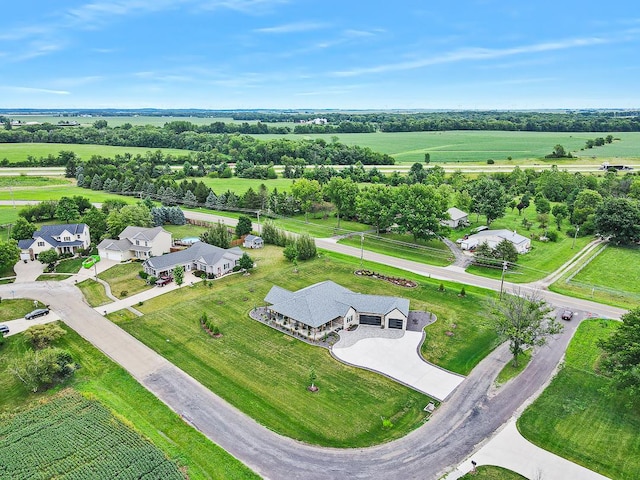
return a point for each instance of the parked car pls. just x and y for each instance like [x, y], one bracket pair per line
[162, 281]
[567, 315]
[38, 312]
[4, 329]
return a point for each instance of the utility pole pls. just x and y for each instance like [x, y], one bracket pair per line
[259, 226]
[504, 270]
[361, 249]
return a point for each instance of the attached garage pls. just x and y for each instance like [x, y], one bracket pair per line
[110, 255]
[375, 320]
[396, 323]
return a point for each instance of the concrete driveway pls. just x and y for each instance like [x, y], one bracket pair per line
[394, 353]
[28, 272]
[21, 324]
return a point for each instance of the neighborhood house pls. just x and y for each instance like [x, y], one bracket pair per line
[457, 218]
[325, 307]
[494, 237]
[64, 239]
[215, 261]
[136, 242]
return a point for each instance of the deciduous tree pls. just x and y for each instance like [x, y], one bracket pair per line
[622, 353]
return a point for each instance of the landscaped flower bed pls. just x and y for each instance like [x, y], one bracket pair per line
[402, 282]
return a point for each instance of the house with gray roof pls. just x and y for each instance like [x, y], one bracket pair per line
[457, 218]
[136, 242]
[494, 237]
[326, 306]
[215, 261]
[64, 239]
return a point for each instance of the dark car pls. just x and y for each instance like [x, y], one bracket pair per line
[162, 281]
[39, 312]
[4, 329]
[567, 315]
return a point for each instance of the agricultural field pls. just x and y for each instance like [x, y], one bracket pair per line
[575, 417]
[480, 146]
[264, 372]
[101, 380]
[77, 438]
[599, 279]
[18, 152]
[121, 120]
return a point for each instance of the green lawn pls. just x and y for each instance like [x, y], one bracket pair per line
[319, 226]
[56, 192]
[70, 265]
[21, 181]
[10, 309]
[433, 252]
[102, 380]
[184, 231]
[241, 185]
[510, 371]
[94, 293]
[490, 472]
[52, 277]
[124, 277]
[600, 279]
[18, 152]
[264, 373]
[576, 419]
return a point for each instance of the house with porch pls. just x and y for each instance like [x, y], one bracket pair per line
[136, 242]
[494, 237]
[215, 261]
[68, 238]
[324, 307]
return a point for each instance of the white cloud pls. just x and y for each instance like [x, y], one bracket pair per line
[16, 89]
[474, 54]
[293, 27]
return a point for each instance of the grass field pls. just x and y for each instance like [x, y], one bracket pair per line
[240, 185]
[94, 293]
[22, 181]
[70, 265]
[184, 231]
[489, 472]
[601, 279]
[77, 435]
[102, 380]
[510, 371]
[479, 146]
[577, 420]
[10, 309]
[18, 152]
[124, 277]
[264, 373]
[57, 192]
[118, 121]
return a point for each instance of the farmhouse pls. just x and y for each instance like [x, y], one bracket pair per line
[215, 261]
[64, 239]
[494, 237]
[325, 307]
[136, 242]
[253, 241]
[457, 218]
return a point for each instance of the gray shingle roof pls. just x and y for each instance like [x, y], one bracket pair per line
[322, 302]
[48, 232]
[199, 251]
[513, 237]
[141, 233]
[456, 213]
[117, 245]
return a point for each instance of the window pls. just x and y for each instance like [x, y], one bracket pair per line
[41, 244]
[226, 266]
[67, 239]
[78, 236]
[137, 242]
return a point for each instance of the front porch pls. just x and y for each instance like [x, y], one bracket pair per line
[324, 336]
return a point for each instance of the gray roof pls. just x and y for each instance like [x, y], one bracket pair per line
[322, 302]
[48, 232]
[117, 245]
[141, 233]
[505, 234]
[199, 251]
[456, 213]
[251, 238]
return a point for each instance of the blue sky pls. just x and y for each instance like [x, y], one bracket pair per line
[226, 54]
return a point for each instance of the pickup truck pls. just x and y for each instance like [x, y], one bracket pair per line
[162, 281]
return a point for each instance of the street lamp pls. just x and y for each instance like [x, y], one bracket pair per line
[575, 236]
[504, 270]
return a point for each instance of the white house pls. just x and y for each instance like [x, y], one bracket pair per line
[215, 261]
[326, 306]
[64, 239]
[136, 242]
[494, 237]
[253, 241]
[457, 218]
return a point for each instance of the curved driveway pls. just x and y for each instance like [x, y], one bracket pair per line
[468, 417]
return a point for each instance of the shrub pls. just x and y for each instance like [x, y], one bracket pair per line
[570, 232]
[463, 292]
[236, 268]
[441, 287]
[552, 235]
[490, 162]
[124, 293]
[143, 275]
[151, 280]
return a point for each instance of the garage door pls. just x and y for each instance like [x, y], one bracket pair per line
[110, 255]
[396, 323]
[375, 320]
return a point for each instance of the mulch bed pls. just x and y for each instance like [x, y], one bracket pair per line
[401, 282]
